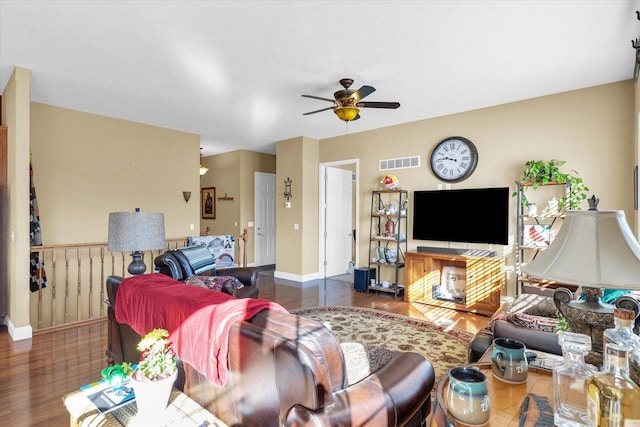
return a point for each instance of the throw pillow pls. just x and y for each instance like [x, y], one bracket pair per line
[535, 305]
[538, 323]
[199, 258]
[227, 284]
[204, 282]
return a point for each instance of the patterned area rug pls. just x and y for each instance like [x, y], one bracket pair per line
[444, 347]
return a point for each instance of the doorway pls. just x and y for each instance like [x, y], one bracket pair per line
[265, 219]
[339, 189]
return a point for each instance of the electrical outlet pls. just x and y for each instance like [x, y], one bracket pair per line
[192, 227]
[296, 226]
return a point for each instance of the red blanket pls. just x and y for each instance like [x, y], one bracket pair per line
[198, 319]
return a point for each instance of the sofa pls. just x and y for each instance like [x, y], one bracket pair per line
[533, 319]
[282, 369]
[196, 261]
[535, 303]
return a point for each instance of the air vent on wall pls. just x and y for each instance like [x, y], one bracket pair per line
[402, 163]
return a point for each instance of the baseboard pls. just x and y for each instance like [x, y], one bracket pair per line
[301, 279]
[18, 334]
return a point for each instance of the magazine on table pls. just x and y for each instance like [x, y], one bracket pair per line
[107, 397]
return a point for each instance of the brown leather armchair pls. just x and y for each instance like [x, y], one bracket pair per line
[289, 370]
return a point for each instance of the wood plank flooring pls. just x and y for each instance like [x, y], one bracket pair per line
[35, 374]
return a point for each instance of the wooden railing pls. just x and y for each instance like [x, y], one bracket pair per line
[74, 291]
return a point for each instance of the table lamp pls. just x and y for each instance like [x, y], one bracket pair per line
[594, 249]
[136, 232]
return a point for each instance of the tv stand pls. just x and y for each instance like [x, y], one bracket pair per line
[483, 278]
[455, 251]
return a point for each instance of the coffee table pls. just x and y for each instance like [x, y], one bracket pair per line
[506, 400]
[181, 412]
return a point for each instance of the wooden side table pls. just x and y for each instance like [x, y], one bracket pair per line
[182, 411]
[506, 400]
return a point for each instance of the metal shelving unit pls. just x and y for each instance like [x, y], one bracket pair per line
[530, 227]
[388, 243]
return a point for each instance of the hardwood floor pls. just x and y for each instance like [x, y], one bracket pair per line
[35, 374]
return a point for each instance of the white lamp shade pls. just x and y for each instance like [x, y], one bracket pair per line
[593, 248]
[136, 231]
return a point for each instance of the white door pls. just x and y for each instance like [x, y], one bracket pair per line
[338, 220]
[265, 219]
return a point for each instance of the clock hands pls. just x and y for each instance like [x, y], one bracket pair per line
[448, 158]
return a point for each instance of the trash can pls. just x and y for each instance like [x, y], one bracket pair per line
[361, 277]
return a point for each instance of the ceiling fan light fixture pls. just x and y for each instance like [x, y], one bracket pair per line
[346, 114]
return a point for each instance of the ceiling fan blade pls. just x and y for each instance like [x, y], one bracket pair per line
[362, 92]
[317, 111]
[392, 105]
[319, 97]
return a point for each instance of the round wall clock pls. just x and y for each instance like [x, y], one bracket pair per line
[454, 159]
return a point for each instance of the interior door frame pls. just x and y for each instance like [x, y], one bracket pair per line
[322, 210]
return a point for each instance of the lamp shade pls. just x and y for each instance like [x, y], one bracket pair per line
[593, 248]
[135, 231]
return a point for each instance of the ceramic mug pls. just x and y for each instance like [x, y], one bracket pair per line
[468, 396]
[509, 361]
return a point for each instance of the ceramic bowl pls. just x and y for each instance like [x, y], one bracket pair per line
[386, 284]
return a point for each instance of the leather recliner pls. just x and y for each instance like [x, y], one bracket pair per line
[287, 370]
[175, 264]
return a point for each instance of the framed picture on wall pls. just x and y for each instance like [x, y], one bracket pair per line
[208, 202]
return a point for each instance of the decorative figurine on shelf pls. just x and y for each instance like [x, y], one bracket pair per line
[390, 182]
[405, 205]
[392, 209]
[390, 227]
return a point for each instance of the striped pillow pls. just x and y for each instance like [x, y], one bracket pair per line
[199, 258]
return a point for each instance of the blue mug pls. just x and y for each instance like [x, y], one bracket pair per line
[509, 361]
[468, 396]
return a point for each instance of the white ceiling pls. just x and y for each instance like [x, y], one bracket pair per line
[233, 71]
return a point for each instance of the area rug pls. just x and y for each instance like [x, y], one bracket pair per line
[445, 347]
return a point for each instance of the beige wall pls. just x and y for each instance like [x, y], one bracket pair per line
[297, 250]
[591, 129]
[233, 174]
[86, 166]
[15, 116]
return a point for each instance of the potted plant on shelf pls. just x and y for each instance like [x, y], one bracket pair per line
[153, 377]
[539, 172]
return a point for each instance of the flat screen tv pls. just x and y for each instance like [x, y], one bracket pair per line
[478, 215]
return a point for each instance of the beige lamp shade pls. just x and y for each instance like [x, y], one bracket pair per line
[593, 248]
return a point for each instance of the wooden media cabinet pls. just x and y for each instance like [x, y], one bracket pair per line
[461, 282]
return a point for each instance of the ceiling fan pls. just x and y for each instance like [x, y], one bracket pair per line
[347, 102]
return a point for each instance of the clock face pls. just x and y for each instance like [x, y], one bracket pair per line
[454, 159]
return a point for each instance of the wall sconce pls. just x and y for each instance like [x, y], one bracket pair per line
[287, 189]
[186, 195]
